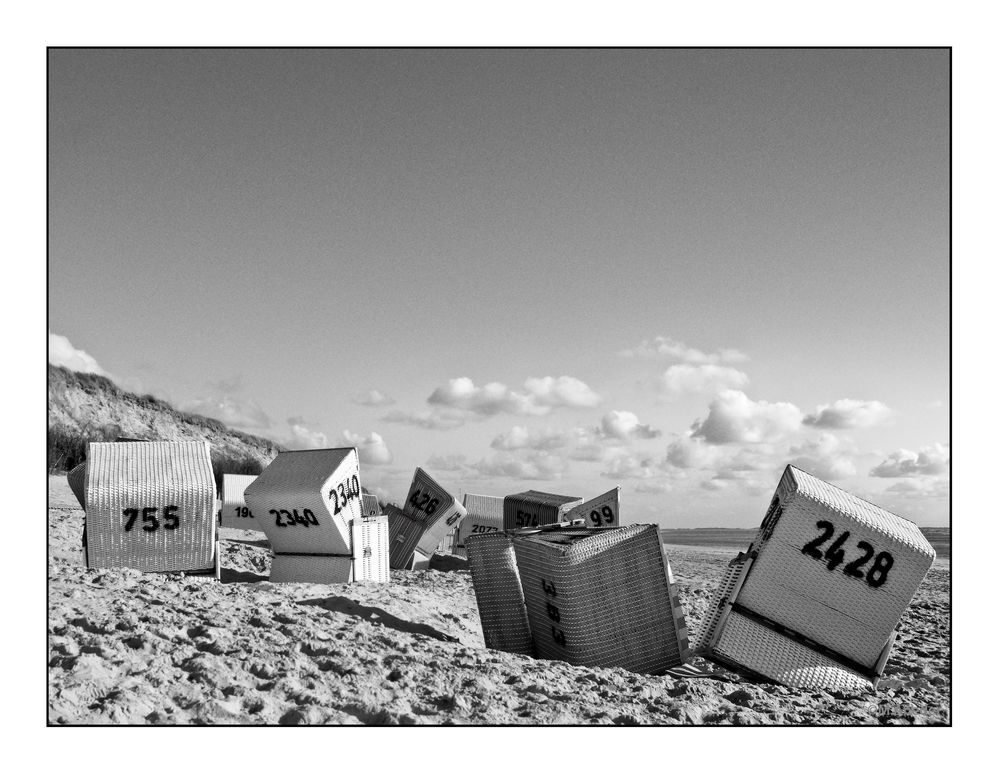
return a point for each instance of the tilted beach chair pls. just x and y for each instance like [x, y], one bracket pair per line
[593, 597]
[151, 506]
[484, 514]
[308, 503]
[815, 600]
[369, 504]
[536, 509]
[602, 511]
[417, 528]
[236, 514]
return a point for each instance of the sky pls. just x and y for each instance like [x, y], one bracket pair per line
[676, 271]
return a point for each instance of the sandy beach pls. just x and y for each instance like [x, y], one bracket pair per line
[129, 647]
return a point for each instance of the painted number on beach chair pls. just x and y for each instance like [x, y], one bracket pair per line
[293, 517]
[835, 554]
[243, 512]
[526, 519]
[344, 492]
[604, 516]
[553, 612]
[483, 528]
[424, 502]
[150, 522]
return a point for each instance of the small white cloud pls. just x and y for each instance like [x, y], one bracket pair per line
[919, 488]
[540, 396]
[734, 418]
[539, 465]
[373, 398]
[632, 466]
[433, 419]
[304, 437]
[519, 437]
[371, 448]
[449, 463]
[848, 413]
[624, 426]
[689, 452]
[235, 411]
[929, 461]
[63, 353]
[824, 457]
[687, 379]
[664, 346]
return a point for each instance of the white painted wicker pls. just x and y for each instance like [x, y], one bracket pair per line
[77, 478]
[498, 593]
[417, 529]
[602, 597]
[484, 515]
[305, 502]
[536, 509]
[602, 511]
[371, 554]
[236, 514]
[150, 506]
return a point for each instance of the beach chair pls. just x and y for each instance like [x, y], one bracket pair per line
[77, 478]
[417, 528]
[308, 503]
[484, 514]
[235, 513]
[593, 597]
[150, 506]
[369, 504]
[815, 600]
[602, 511]
[536, 509]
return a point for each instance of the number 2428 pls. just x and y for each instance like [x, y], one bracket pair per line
[834, 556]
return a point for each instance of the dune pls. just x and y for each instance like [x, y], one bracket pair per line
[131, 647]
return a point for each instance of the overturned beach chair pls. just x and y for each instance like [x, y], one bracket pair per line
[149, 505]
[236, 514]
[536, 509]
[416, 529]
[484, 514]
[816, 599]
[308, 503]
[592, 597]
[602, 511]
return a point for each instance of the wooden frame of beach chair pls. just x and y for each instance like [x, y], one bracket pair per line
[484, 514]
[235, 513]
[815, 601]
[602, 597]
[307, 503]
[150, 506]
[602, 511]
[536, 509]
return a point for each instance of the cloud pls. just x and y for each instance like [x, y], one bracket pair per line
[539, 465]
[624, 425]
[633, 466]
[921, 487]
[654, 487]
[824, 457]
[689, 452]
[433, 419]
[236, 411]
[371, 448]
[929, 461]
[664, 346]
[540, 396]
[304, 437]
[449, 463]
[521, 438]
[734, 418]
[63, 353]
[373, 398]
[848, 413]
[684, 378]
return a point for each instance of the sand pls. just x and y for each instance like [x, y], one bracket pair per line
[131, 647]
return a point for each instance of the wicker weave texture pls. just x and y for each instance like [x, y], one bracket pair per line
[236, 514]
[601, 598]
[602, 511]
[371, 554]
[498, 593]
[311, 568]
[369, 504]
[721, 603]
[850, 615]
[751, 645]
[484, 513]
[536, 509]
[319, 481]
[433, 506]
[77, 478]
[171, 488]
[404, 534]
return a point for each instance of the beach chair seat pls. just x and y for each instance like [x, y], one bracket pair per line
[308, 503]
[150, 505]
[235, 513]
[536, 509]
[824, 585]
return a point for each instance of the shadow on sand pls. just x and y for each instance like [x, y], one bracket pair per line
[378, 616]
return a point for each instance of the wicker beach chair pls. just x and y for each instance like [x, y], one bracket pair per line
[77, 478]
[308, 503]
[416, 530]
[484, 515]
[815, 601]
[536, 509]
[150, 506]
[369, 504]
[498, 593]
[602, 511]
[236, 514]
